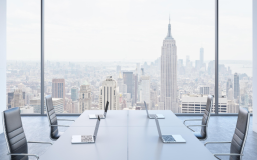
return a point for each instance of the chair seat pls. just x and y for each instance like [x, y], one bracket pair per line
[199, 135]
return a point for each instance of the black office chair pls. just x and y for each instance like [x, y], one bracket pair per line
[53, 124]
[205, 120]
[239, 137]
[15, 137]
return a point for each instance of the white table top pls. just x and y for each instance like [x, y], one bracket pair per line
[128, 135]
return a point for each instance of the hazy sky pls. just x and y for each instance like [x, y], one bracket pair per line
[108, 30]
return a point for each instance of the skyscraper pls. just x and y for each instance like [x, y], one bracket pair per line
[211, 67]
[142, 71]
[230, 95]
[204, 90]
[18, 99]
[58, 89]
[109, 92]
[145, 91]
[135, 88]
[128, 80]
[187, 60]
[228, 86]
[14, 99]
[118, 69]
[120, 84]
[236, 86]
[201, 56]
[169, 73]
[74, 93]
[84, 98]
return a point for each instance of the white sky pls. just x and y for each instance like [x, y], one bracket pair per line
[111, 30]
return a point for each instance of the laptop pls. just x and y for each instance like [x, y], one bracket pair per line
[152, 116]
[102, 116]
[169, 138]
[86, 138]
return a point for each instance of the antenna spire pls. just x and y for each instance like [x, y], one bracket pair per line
[169, 29]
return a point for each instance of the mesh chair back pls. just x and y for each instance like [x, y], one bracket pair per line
[51, 117]
[240, 134]
[14, 133]
[206, 116]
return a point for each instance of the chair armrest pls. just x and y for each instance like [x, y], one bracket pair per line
[227, 154]
[59, 126]
[23, 154]
[195, 125]
[40, 142]
[191, 120]
[66, 120]
[190, 129]
[215, 142]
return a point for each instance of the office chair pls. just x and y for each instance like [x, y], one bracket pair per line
[239, 137]
[52, 119]
[205, 120]
[15, 137]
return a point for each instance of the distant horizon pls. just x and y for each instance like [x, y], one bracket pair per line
[128, 61]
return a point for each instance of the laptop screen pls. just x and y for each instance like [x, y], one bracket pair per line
[96, 127]
[158, 127]
[146, 108]
[106, 107]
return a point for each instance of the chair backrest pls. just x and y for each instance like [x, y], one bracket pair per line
[206, 116]
[51, 117]
[240, 134]
[14, 134]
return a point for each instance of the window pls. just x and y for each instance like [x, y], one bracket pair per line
[23, 56]
[161, 53]
[235, 55]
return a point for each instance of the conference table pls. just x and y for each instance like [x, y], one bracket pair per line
[128, 135]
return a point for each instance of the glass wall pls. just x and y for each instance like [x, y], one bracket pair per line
[235, 55]
[23, 56]
[129, 52]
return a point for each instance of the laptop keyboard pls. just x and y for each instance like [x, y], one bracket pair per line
[168, 138]
[152, 115]
[86, 138]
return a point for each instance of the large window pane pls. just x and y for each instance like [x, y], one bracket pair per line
[128, 52]
[23, 56]
[235, 65]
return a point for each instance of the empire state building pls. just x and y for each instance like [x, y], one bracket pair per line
[168, 99]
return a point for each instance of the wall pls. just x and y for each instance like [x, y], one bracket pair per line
[254, 65]
[2, 59]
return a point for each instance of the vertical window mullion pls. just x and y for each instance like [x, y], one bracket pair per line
[42, 57]
[216, 56]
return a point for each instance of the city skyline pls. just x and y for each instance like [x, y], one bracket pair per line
[244, 81]
[167, 82]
